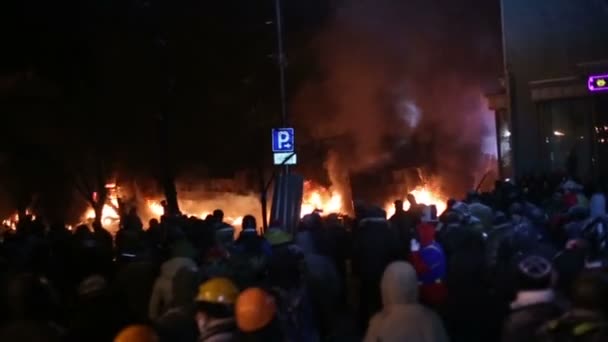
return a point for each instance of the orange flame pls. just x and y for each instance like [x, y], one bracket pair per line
[318, 198]
[424, 196]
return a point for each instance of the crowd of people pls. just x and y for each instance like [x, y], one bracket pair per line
[524, 262]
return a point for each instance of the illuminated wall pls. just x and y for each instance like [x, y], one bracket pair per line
[546, 40]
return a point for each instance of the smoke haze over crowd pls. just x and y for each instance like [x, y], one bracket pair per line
[410, 71]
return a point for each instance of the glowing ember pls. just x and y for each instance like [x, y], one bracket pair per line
[423, 196]
[12, 221]
[317, 198]
[109, 215]
[155, 208]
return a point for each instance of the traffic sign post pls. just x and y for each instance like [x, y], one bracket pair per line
[283, 146]
[285, 158]
[283, 140]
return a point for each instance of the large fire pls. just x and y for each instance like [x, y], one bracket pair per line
[320, 199]
[316, 198]
[424, 196]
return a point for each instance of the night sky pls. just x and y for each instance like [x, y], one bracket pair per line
[90, 79]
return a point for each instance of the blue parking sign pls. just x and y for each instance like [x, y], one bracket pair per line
[283, 140]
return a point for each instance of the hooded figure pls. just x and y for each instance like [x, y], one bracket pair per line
[402, 318]
[164, 293]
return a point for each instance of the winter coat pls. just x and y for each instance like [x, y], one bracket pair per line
[402, 318]
[404, 223]
[163, 295]
[495, 238]
[250, 243]
[178, 325]
[224, 234]
[220, 330]
[484, 213]
[375, 247]
[530, 311]
[597, 205]
[322, 280]
[133, 287]
[430, 265]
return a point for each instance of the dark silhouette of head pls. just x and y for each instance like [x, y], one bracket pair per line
[218, 215]
[249, 222]
[398, 205]
[153, 223]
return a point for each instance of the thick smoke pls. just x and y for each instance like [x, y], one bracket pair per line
[396, 73]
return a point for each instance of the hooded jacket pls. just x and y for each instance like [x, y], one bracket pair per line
[597, 205]
[163, 294]
[402, 318]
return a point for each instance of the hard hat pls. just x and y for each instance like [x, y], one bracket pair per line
[217, 291]
[255, 309]
[137, 333]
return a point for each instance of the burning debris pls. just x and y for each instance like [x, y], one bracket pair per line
[424, 196]
[316, 199]
[12, 221]
[321, 200]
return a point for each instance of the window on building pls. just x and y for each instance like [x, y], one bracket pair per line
[567, 135]
[600, 130]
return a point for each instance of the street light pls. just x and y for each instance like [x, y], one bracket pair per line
[558, 133]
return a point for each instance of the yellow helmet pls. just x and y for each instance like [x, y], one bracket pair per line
[218, 291]
[137, 333]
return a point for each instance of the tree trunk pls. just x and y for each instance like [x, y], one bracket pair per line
[168, 178]
[98, 202]
[98, 215]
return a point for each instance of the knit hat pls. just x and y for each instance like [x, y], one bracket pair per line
[92, 285]
[533, 272]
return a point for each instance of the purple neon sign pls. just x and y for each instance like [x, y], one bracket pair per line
[598, 83]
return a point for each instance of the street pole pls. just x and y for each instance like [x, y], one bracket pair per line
[281, 60]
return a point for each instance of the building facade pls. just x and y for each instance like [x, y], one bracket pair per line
[549, 118]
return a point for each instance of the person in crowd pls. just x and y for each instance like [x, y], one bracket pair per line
[256, 316]
[587, 320]
[249, 254]
[137, 333]
[130, 239]
[403, 222]
[321, 279]
[287, 281]
[484, 213]
[33, 309]
[224, 233]
[535, 301]
[402, 318]
[94, 305]
[166, 289]
[215, 310]
[249, 241]
[375, 247]
[429, 261]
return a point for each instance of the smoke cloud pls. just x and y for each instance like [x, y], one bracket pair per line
[396, 73]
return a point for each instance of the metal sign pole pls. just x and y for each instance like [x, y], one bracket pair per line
[282, 61]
